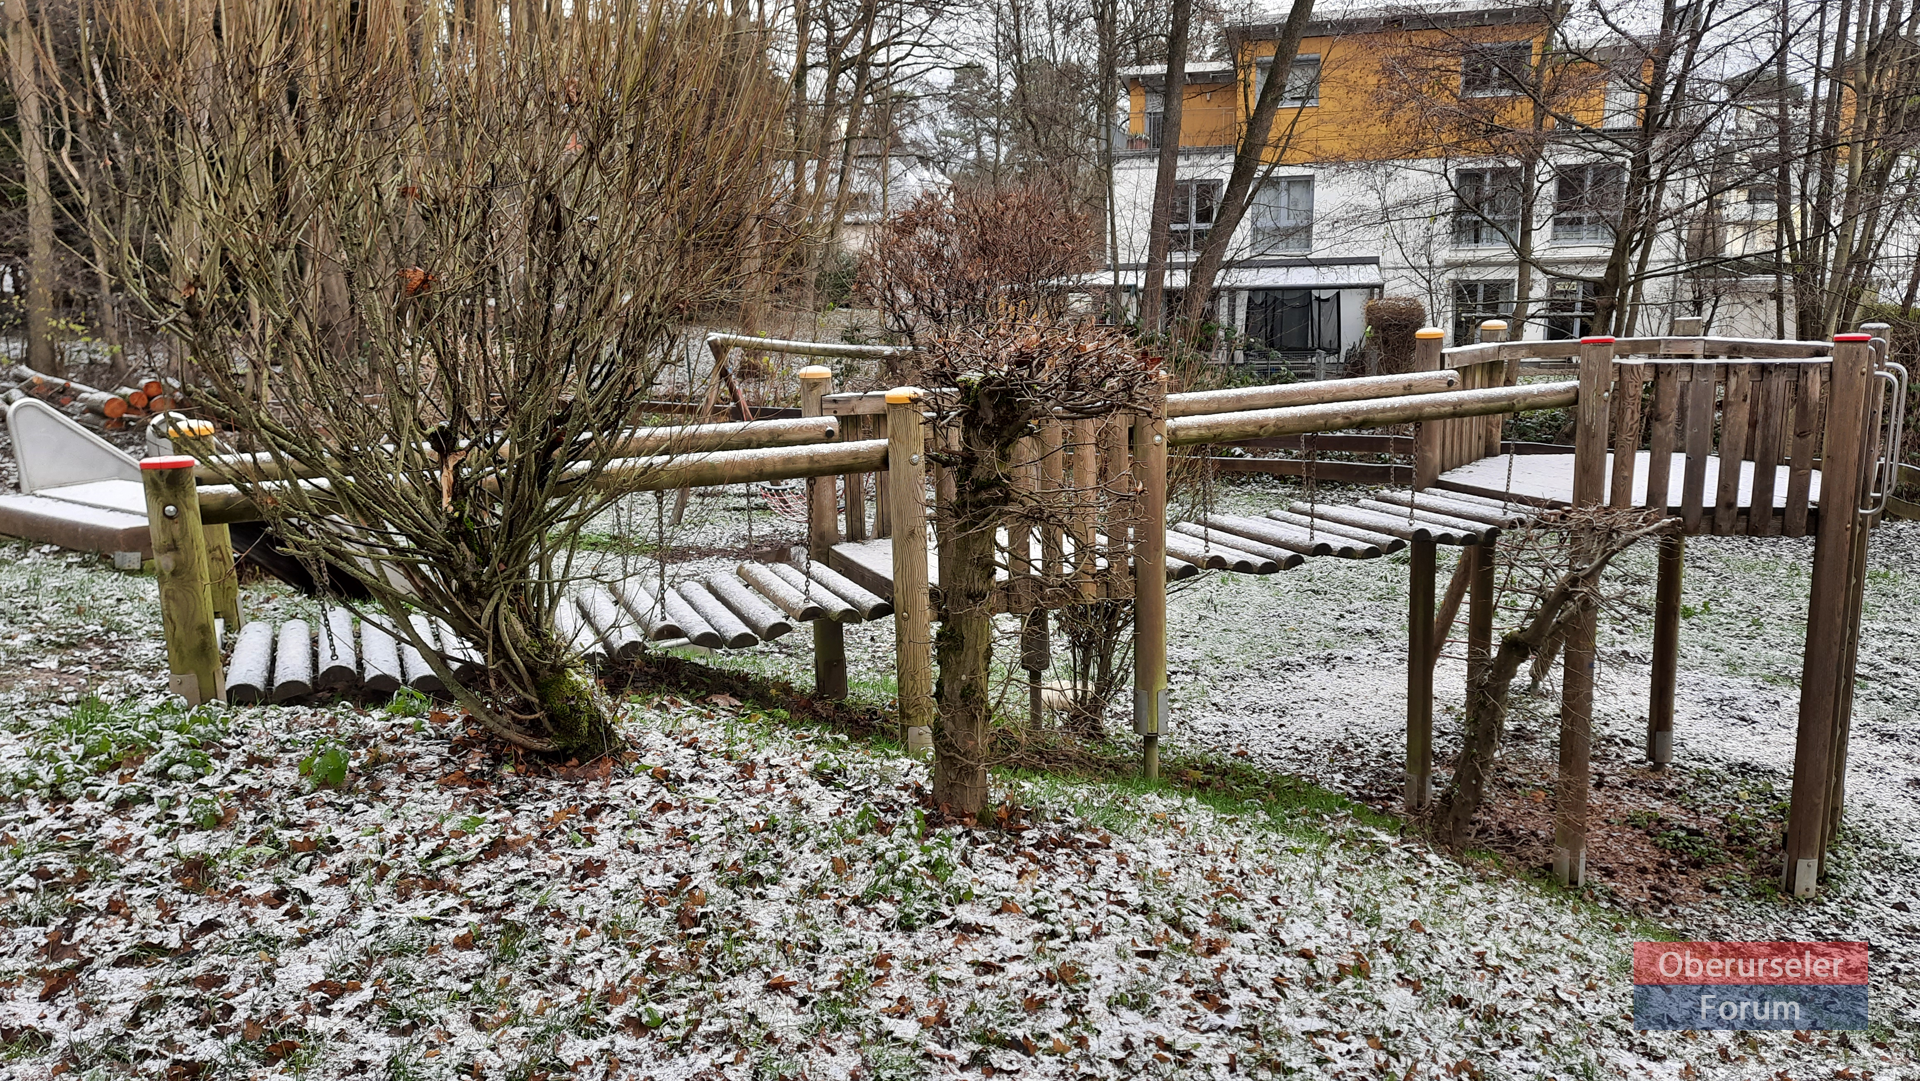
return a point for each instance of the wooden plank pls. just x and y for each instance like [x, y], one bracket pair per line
[1663, 434]
[1150, 587]
[1735, 419]
[1699, 445]
[855, 485]
[1116, 504]
[1771, 416]
[1629, 384]
[912, 606]
[882, 508]
[823, 532]
[1809, 407]
[1052, 470]
[1591, 421]
[1086, 504]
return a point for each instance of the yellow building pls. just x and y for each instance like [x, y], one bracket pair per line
[1397, 165]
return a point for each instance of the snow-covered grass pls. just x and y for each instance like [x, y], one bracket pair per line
[183, 894]
[741, 898]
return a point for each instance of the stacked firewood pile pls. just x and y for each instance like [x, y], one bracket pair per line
[102, 410]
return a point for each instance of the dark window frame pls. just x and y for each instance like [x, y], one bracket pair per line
[1495, 69]
[1487, 206]
[1472, 306]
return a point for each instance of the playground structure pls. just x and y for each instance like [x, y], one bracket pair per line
[1731, 436]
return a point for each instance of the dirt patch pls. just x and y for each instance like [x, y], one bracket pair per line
[1657, 838]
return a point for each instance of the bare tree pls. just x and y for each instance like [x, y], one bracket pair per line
[1554, 579]
[23, 68]
[1250, 163]
[1153, 296]
[435, 260]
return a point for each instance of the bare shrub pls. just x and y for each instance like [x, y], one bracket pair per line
[954, 257]
[1553, 579]
[1393, 321]
[432, 258]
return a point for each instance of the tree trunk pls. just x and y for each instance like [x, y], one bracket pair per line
[964, 643]
[23, 68]
[1153, 297]
[1248, 157]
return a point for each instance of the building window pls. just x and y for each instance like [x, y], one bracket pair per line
[1570, 308]
[1495, 69]
[1291, 322]
[1586, 202]
[1475, 302]
[1303, 81]
[1763, 193]
[1283, 215]
[1487, 207]
[1620, 110]
[1194, 205]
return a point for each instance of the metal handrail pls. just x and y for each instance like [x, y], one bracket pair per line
[1887, 470]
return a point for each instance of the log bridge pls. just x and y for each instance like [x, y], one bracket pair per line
[1732, 436]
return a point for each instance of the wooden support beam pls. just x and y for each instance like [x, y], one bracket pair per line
[1419, 782]
[1570, 794]
[1666, 650]
[1843, 475]
[823, 532]
[912, 609]
[1150, 579]
[180, 560]
[1450, 604]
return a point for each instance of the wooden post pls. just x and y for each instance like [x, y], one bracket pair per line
[1856, 597]
[1843, 475]
[1492, 330]
[912, 615]
[223, 578]
[1576, 676]
[1419, 783]
[1666, 650]
[823, 532]
[1150, 578]
[1426, 440]
[180, 556]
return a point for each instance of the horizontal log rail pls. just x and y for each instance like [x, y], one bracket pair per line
[226, 503]
[1370, 413]
[1239, 399]
[804, 349]
[668, 439]
[1569, 349]
[1233, 399]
